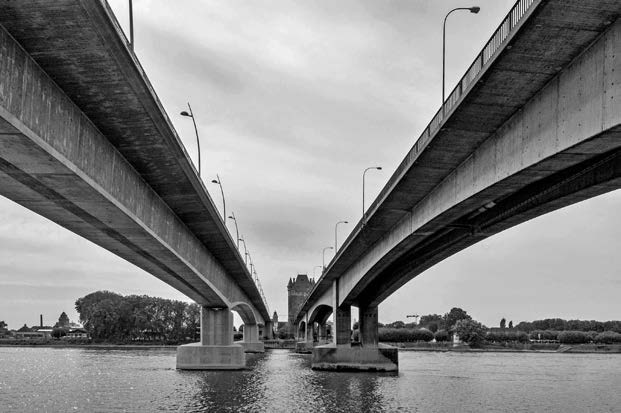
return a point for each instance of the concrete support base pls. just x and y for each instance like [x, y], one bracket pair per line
[256, 347]
[305, 347]
[381, 358]
[198, 357]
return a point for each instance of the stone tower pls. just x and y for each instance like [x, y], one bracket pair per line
[298, 289]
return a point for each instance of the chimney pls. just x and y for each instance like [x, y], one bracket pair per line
[41, 319]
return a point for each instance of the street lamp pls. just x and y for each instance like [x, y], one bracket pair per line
[379, 168]
[219, 182]
[474, 10]
[190, 114]
[232, 216]
[324, 256]
[314, 268]
[335, 234]
[131, 24]
[245, 250]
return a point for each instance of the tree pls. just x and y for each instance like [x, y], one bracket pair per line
[511, 324]
[503, 323]
[453, 316]
[113, 317]
[470, 331]
[441, 335]
[433, 322]
[396, 324]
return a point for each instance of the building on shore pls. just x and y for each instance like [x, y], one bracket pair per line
[298, 289]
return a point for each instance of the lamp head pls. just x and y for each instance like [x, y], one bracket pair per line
[231, 217]
[214, 181]
[185, 113]
[475, 9]
[379, 168]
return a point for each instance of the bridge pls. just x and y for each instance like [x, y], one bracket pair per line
[85, 142]
[533, 126]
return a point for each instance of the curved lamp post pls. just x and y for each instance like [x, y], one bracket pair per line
[324, 256]
[474, 10]
[314, 268]
[335, 234]
[232, 216]
[245, 250]
[131, 24]
[219, 182]
[190, 114]
[379, 168]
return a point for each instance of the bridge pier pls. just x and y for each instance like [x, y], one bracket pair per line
[251, 343]
[368, 356]
[305, 342]
[323, 332]
[268, 332]
[216, 350]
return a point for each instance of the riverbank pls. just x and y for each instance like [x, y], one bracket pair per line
[90, 346]
[527, 348]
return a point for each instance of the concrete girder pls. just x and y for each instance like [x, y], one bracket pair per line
[54, 161]
[563, 133]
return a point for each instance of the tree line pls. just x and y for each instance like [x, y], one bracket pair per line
[108, 316]
[558, 324]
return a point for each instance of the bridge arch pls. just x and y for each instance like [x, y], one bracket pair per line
[247, 313]
[301, 333]
[320, 314]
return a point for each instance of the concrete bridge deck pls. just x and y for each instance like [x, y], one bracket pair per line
[85, 142]
[532, 126]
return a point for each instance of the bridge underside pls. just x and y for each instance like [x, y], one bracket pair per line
[562, 147]
[85, 143]
[595, 176]
[537, 129]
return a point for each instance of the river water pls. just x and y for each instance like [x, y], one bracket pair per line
[85, 380]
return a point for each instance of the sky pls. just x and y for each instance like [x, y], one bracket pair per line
[293, 100]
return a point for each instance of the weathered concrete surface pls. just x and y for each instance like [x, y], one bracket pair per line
[198, 357]
[252, 347]
[85, 142]
[216, 350]
[537, 130]
[304, 347]
[251, 343]
[357, 358]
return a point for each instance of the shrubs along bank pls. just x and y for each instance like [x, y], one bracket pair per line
[113, 318]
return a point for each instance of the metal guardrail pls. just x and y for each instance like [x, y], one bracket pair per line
[493, 45]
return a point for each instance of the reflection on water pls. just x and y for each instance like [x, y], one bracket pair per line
[62, 380]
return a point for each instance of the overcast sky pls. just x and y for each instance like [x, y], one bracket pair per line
[293, 100]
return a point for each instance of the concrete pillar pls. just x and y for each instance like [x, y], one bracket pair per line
[368, 326]
[341, 331]
[309, 332]
[323, 332]
[251, 333]
[251, 343]
[216, 327]
[269, 330]
[341, 356]
[342, 326]
[216, 350]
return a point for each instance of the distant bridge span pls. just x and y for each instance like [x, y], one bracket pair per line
[85, 142]
[533, 126]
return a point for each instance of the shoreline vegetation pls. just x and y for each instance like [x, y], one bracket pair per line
[436, 347]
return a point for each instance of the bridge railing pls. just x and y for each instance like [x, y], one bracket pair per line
[495, 43]
[491, 48]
